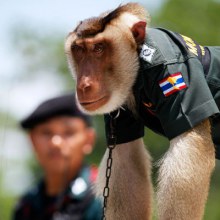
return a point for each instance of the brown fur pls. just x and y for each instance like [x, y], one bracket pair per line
[130, 184]
[183, 184]
[185, 173]
[103, 69]
[92, 26]
[185, 169]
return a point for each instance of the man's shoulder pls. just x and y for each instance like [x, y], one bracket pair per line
[30, 196]
[163, 46]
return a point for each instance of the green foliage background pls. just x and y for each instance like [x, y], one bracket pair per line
[198, 19]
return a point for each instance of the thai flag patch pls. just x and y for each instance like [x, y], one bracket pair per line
[172, 84]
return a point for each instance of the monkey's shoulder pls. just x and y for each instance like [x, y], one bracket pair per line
[163, 46]
[172, 68]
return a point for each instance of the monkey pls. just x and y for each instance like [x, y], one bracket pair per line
[141, 76]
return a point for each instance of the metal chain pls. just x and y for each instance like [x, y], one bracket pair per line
[109, 164]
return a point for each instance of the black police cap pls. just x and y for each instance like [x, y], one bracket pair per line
[58, 106]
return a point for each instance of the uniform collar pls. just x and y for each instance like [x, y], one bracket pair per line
[150, 53]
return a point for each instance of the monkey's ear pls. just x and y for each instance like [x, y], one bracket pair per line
[138, 31]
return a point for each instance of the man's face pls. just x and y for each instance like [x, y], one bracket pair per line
[60, 143]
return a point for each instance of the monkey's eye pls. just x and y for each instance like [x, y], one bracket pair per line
[77, 49]
[98, 48]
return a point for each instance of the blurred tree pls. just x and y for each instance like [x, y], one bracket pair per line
[40, 51]
[6, 118]
[6, 201]
[198, 19]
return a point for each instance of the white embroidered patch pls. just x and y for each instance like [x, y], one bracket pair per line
[147, 53]
[79, 186]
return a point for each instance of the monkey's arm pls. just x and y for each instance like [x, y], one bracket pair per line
[184, 175]
[130, 182]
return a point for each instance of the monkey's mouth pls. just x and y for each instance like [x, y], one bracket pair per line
[95, 104]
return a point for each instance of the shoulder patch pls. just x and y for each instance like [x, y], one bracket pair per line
[79, 186]
[172, 84]
[147, 53]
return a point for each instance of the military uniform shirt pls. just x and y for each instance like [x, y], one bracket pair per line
[77, 202]
[177, 87]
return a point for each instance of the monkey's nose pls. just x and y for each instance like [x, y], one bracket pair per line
[84, 84]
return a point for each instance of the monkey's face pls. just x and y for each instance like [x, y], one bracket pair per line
[102, 54]
[105, 68]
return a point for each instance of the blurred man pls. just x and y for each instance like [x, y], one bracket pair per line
[61, 136]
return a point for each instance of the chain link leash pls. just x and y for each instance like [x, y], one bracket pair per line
[109, 163]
